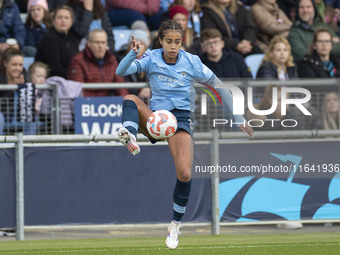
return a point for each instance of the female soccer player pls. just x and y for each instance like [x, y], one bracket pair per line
[172, 73]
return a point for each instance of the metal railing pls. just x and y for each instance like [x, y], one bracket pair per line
[50, 123]
[214, 137]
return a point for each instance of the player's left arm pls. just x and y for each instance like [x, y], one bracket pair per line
[127, 65]
[228, 103]
[205, 75]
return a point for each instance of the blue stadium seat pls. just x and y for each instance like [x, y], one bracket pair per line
[254, 62]
[27, 62]
[121, 37]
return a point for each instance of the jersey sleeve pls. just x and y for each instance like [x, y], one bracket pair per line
[143, 62]
[203, 73]
[228, 103]
[127, 66]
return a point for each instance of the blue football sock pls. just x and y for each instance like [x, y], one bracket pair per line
[130, 119]
[181, 198]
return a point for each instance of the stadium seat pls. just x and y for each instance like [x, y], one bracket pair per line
[27, 62]
[254, 62]
[121, 37]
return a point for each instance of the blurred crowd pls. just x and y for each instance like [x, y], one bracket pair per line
[74, 40]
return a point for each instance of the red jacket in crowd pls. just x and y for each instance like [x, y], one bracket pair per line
[84, 67]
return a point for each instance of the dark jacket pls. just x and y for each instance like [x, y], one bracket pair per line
[11, 25]
[56, 50]
[311, 66]
[214, 18]
[231, 65]
[269, 71]
[34, 35]
[6, 105]
[85, 68]
[82, 22]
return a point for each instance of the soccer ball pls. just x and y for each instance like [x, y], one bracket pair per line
[161, 124]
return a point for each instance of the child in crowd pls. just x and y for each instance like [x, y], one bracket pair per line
[37, 24]
[38, 72]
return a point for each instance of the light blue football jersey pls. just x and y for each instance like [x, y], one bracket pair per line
[172, 85]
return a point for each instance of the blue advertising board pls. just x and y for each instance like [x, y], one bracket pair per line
[98, 115]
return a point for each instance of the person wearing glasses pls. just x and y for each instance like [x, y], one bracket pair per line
[96, 64]
[320, 62]
[222, 61]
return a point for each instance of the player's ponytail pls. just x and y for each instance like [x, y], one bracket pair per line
[169, 25]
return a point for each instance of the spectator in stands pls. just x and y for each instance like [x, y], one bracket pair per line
[126, 12]
[270, 20]
[13, 72]
[59, 44]
[330, 114]
[95, 64]
[278, 61]
[194, 9]
[38, 22]
[38, 73]
[234, 22]
[11, 25]
[222, 61]
[326, 14]
[180, 14]
[275, 118]
[301, 33]
[88, 15]
[320, 62]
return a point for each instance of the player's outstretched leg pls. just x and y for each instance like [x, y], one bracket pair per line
[135, 114]
[181, 149]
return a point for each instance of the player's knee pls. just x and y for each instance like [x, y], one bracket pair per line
[131, 97]
[184, 176]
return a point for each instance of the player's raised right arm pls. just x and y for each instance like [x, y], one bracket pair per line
[126, 66]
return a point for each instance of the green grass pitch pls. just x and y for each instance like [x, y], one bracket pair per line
[311, 243]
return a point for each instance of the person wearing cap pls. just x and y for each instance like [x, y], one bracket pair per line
[38, 22]
[180, 14]
[96, 64]
[11, 25]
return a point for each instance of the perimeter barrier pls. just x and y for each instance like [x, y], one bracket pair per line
[214, 138]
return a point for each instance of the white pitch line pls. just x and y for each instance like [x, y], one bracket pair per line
[179, 248]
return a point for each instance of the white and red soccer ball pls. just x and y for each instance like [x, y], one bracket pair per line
[161, 124]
